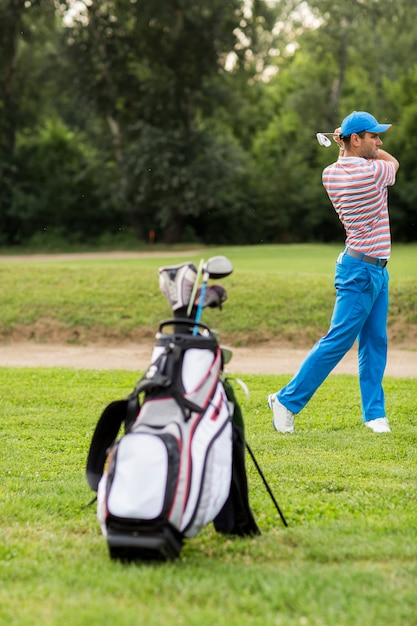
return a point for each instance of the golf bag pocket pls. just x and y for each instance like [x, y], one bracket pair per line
[197, 366]
[211, 480]
[142, 477]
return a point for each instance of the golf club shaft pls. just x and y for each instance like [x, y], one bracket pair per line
[201, 300]
[195, 287]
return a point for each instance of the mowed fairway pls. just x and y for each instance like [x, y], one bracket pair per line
[349, 554]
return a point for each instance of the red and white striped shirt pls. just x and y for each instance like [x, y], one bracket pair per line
[357, 188]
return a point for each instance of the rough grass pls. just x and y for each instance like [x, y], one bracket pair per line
[281, 293]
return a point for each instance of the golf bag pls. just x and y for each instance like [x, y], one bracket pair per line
[180, 462]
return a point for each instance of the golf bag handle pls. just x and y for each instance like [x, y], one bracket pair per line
[185, 322]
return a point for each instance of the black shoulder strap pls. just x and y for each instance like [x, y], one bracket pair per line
[104, 435]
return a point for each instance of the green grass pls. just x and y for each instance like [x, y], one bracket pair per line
[276, 292]
[348, 557]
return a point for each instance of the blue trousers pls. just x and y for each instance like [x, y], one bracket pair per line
[360, 312]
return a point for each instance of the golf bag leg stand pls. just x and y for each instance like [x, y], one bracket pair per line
[268, 488]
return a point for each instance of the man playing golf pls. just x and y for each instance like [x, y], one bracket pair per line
[357, 187]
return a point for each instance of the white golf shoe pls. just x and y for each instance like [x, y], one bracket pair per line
[379, 425]
[283, 418]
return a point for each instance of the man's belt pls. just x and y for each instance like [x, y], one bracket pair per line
[363, 257]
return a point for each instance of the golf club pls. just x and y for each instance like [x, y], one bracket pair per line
[323, 139]
[218, 267]
[195, 287]
[215, 267]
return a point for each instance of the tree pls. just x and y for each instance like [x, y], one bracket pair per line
[400, 141]
[60, 189]
[182, 117]
[23, 26]
[341, 64]
[155, 72]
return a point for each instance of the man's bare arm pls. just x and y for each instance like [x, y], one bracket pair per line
[386, 156]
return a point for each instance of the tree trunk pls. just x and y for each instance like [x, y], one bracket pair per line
[10, 21]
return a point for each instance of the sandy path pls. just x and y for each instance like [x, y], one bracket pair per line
[266, 359]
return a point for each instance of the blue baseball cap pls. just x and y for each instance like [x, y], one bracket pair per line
[360, 121]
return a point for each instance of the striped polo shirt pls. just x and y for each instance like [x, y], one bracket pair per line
[357, 188]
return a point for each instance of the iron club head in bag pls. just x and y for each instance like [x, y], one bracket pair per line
[213, 298]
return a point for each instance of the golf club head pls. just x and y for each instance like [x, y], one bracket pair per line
[218, 267]
[214, 297]
[323, 140]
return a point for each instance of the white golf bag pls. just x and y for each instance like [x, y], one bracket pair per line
[180, 462]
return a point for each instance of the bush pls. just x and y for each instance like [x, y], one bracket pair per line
[61, 186]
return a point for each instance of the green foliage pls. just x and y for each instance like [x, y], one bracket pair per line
[220, 100]
[188, 181]
[172, 172]
[293, 211]
[59, 187]
[22, 102]
[348, 496]
[403, 194]
[314, 90]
